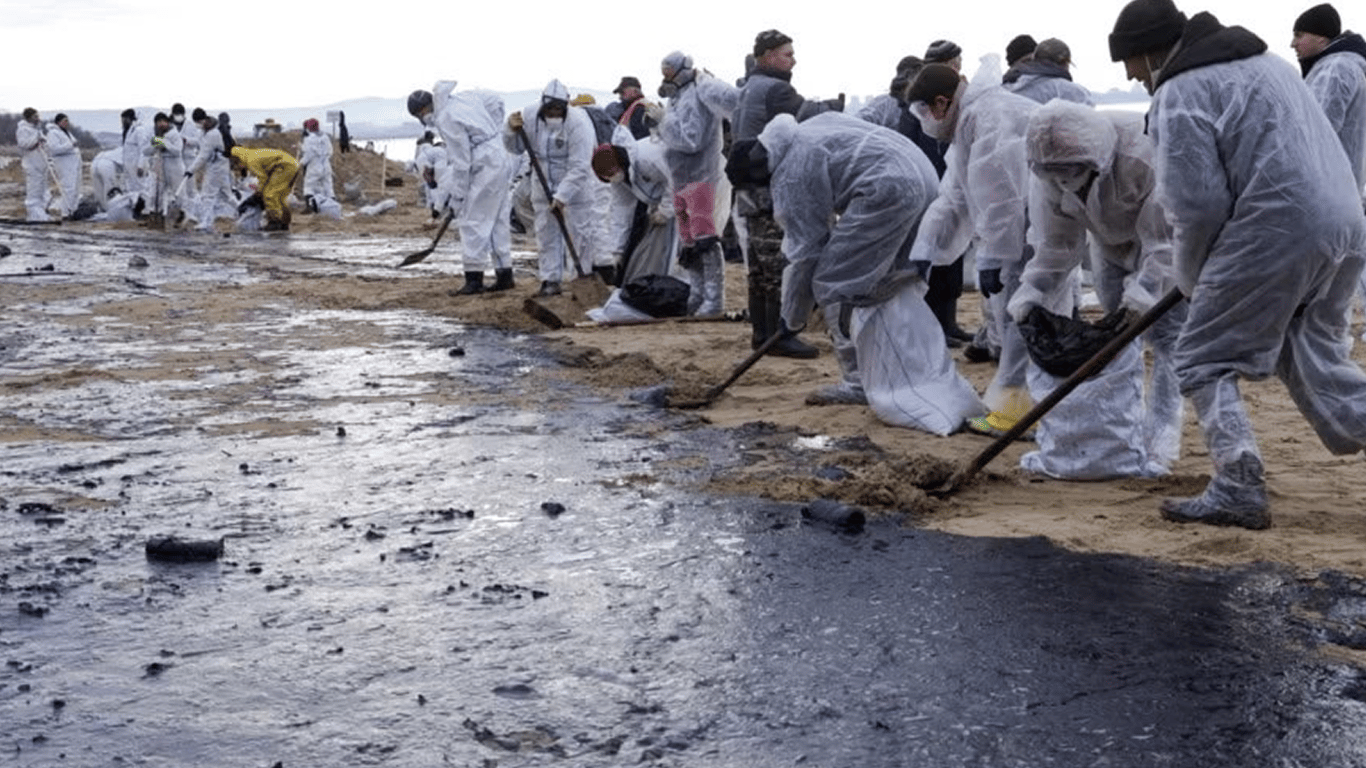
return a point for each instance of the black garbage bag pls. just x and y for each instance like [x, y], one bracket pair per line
[657, 295]
[1060, 345]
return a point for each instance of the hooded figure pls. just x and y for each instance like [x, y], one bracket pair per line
[1093, 179]
[639, 179]
[315, 158]
[1268, 241]
[473, 181]
[274, 171]
[849, 195]
[1334, 66]
[66, 160]
[215, 190]
[982, 201]
[106, 172]
[562, 140]
[29, 135]
[691, 132]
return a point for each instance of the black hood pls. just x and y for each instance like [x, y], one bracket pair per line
[1206, 42]
[1347, 42]
[1032, 67]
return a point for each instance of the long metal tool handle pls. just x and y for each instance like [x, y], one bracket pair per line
[1098, 361]
[549, 197]
[52, 173]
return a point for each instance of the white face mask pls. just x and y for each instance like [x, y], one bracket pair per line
[429, 119]
[617, 178]
[554, 123]
[940, 129]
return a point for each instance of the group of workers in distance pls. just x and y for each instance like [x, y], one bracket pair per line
[1234, 207]
[176, 165]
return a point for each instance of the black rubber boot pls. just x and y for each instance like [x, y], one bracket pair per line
[474, 283]
[549, 288]
[758, 316]
[503, 280]
[608, 273]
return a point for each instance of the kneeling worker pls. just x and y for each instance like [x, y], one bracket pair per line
[274, 171]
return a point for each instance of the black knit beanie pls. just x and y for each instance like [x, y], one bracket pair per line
[1321, 20]
[1020, 47]
[1145, 26]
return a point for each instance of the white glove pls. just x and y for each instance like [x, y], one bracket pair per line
[654, 112]
[659, 218]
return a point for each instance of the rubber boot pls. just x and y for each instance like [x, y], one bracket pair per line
[608, 273]
[1237, 493]
[758, 315]
[503, 280]
[789, 345]
[713, 278]
[549, 288]
[474, 283]
[849, 390]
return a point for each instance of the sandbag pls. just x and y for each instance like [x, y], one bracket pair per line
[1098, 431]
[657, 295]
[907, 374]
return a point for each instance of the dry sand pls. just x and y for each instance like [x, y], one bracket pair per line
[1318, 520]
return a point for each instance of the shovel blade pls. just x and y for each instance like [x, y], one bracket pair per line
[414, 258]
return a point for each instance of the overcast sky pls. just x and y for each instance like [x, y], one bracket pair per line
[97, 54]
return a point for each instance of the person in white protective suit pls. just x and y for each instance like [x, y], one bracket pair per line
[316, 159]
[136, 137]
[190, 136]
[106, 173]
[639, 179]
[1334, 66]
[848, 195]
[1268, 241]
[982, 201]
[474, 183]
[691, 132]
[429, 163]
[165, 151]
[32, 141]
[1047, 75]
[66, 161]
[1094, 178]
[563, 140]
[216, 197]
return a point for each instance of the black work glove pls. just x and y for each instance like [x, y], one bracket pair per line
[189, 175]
[989, 281]
[255, 201]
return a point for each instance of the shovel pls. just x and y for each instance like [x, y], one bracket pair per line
[1097, 362]
[157, 218]
[715, 392]
[417, 256]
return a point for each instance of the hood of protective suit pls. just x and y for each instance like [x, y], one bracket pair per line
[1066, 132]
[553, 90]
[777, 138]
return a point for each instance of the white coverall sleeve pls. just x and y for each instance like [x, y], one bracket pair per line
[946, 229]
[27, 136]
[997, 189]
[511, 141]
[803, 205]
[59, 143]
[1060, 246]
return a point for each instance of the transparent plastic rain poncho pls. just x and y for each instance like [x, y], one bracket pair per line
[1130, 247]
[1269, 237]
[478, 173]
[1338, 82]
[848, 195]
[982, 200]
[648, 183]
[691, 129]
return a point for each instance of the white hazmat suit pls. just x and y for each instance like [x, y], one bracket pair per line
[477, 173]
[564, 148]
[1269, 239]
[37, 177]
[316, 159]
[982, 201]
[1094, 179]
[216, 197]
[66, 160]
[848, 195]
